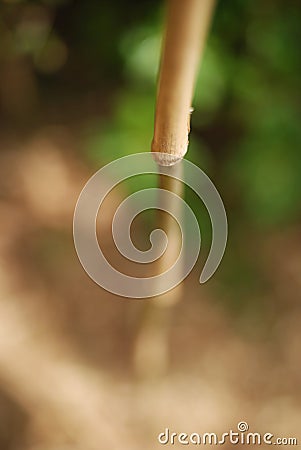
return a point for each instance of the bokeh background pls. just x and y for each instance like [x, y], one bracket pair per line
[80, 368]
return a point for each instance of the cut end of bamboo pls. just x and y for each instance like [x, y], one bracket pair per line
[164, 157]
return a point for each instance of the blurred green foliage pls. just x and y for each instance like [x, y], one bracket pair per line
[247, 105]
[245, 128]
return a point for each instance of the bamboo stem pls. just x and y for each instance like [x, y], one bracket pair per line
[151, 353]
[167, 223]
[187, 26]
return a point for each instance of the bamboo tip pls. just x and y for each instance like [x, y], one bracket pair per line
[168, 159]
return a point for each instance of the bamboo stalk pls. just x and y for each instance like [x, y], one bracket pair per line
[166, 222]
[186, 32]
[187, 26]
[151, 353]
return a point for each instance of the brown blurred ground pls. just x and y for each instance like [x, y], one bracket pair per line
[66, 355]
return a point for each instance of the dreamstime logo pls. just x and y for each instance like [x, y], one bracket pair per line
[90, 201]
[242, 436]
